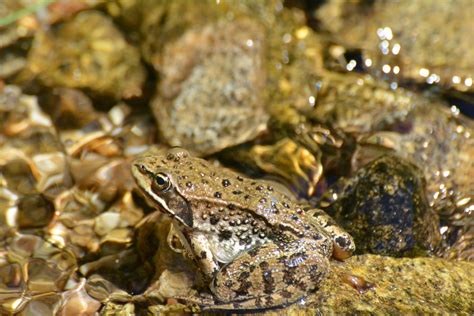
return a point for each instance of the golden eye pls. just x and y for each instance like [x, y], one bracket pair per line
[161, 183]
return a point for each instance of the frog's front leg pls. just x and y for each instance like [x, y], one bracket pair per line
[344, 244]
[203, 254]
[271, 275]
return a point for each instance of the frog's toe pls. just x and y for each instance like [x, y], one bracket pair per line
[344, 246]
[257, 303]
[343, 242]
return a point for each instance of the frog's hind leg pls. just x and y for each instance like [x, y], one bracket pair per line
[253, 304]
[270, 275]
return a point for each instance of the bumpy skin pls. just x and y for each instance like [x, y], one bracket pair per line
[257, 245]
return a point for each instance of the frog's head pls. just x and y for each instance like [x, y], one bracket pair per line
[156, 176]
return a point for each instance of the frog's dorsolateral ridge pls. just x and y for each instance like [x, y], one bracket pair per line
[258, 246]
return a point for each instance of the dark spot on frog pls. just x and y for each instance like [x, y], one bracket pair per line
[243, 290]
[259, 188]
[270, 188]
[218, 195]
[341, 241]
[228, 283]
[247, 197]
[237, 192]
[225, 235]
[285, 294]
[264, 265]
[189, 184]
[244, 276]
[268, 281]
[289, 276]
[170, 157]
[286, 205]
[294, 217]
[204, 181]
[214, 220]
[240, 178]
[225, 183]
[252, 252]
[263, 200]
[231, 206]
[203, 255]
[302, 286]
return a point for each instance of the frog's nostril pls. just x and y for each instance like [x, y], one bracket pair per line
[141, 168]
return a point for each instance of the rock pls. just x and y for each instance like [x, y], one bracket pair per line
[398, 42]
[87, 52]
[399, 286]
[384, 208]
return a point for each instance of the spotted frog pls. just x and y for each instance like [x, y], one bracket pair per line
[257, 247]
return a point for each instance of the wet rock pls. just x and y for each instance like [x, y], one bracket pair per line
[200, 113]
[420, 128]
[285, 161]
[88, 52]
[33, 165]
[32, 270]
[400, 286]
[398, 42]
[34, 211]
[384, 208]
[69, 108]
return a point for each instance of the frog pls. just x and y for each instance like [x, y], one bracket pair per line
[257, 247]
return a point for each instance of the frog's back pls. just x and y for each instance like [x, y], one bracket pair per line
[199, 180]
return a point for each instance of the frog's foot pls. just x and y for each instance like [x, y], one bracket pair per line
[344, 244]
[204, 300]
[270, 275]
[253, 304]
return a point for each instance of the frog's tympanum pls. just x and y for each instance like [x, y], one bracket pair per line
[258, 247]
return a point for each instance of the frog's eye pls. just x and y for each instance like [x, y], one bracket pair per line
[161, 183]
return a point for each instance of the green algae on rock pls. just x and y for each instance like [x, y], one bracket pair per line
[399, 286]
[384, 208]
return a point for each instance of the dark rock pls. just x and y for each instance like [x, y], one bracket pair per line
[385, 209]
